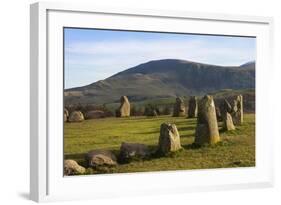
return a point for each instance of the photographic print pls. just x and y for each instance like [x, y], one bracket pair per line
[138, 101]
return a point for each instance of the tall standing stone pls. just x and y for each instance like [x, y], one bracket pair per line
[179, 108]
[192, 107]
[237, 111]
[207, 131]
[169, 139]
[218, 114]
[225, 107]
[124, 109]
[226, 116]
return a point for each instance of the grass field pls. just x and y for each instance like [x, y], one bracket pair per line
[237, 148]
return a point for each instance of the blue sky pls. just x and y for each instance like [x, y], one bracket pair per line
[92, 55]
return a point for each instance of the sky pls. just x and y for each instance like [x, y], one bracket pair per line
[91, 55]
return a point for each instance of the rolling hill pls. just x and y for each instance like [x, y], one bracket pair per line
[163, 79]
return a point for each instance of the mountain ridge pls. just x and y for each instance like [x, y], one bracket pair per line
[162, 78]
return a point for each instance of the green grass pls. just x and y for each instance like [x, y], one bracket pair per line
[237, 148]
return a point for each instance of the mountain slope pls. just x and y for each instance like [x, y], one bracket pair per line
[164, 78]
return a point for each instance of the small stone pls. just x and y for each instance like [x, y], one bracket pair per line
[94, 114]
[129, 151]
[71, 167]
[76, 116]
[97, 158]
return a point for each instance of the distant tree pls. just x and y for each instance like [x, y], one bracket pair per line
[150, 110]
[133, 111]
[141, 111]
[167, 110]
[108, 113]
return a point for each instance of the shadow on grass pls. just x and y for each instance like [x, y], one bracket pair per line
[193, 123]
[191, 146]
[222, 143]
[150, 132]
[186, 128]
[187, 135]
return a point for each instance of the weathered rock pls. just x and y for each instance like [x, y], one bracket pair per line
[169, 139]
[76, 116]
[218, 114]
[130, 151]
[179, 108]
[227, 122]
[124, 109]
[65, 114]
[192, 107]
[94, 114]
[226, 116]
[225, 107]
[237, 111]
[71, 167]
[207, 131]
[97, 158]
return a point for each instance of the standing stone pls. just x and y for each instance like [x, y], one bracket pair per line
[218, 114]
[226, 116]
[192, 107]
[237, 111]
[179, 108]
[124, 109]
[169, 139]
[228, 123]
[226, 107]
[65, 114]
[76, 116]
[71, 167]
[207, 131]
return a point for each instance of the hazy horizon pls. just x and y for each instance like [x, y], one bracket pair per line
[92, 55]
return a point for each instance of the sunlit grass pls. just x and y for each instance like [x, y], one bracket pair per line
[237, 148]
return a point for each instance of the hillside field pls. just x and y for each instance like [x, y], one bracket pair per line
[237, 148]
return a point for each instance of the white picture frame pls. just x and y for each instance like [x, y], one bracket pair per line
[46, 151]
